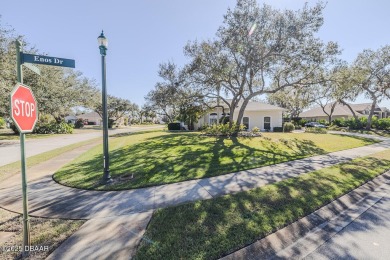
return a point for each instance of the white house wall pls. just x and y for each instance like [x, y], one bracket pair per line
[256, 118]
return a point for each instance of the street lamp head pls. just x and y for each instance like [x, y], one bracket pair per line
[102, 40]
[103, 43]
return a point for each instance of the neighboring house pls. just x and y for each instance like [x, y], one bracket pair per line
[342, 111]
[91, 117]
[257, 114]
[70, 119]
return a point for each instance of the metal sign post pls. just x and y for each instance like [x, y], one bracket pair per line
[26, 220]
[24, 112]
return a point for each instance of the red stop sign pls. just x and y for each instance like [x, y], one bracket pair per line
[23, 108]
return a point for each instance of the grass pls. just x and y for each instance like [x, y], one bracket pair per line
[7, 134]
[44, 232]
[217, 227]
[13, 168]
[375, 132]
[147, 159]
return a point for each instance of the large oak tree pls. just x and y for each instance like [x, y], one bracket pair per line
[260, 50]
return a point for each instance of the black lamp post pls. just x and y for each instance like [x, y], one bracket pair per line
[106, 158]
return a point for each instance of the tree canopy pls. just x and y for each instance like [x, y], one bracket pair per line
[260, 50]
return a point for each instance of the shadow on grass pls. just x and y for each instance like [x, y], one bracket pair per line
[135, 133]
[364, 139]
[179, 157]
[214, 228]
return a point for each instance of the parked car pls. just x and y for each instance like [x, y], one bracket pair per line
[315, 124]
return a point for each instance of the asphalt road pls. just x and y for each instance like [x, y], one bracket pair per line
[11, 153]
[367, 237]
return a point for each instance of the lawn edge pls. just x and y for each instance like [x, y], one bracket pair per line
[270, 245]
[376, 141]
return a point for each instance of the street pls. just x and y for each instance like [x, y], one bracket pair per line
[11, 153]
[367, 237]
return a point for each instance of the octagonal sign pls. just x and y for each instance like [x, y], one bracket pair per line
[23, 108]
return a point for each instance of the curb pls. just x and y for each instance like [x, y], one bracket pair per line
[300, 238]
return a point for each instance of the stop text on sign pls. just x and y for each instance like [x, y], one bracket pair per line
[23, 108]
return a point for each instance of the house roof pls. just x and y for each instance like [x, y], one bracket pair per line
[90, 116]
[362, 106]
[255, 106]
[339, 110]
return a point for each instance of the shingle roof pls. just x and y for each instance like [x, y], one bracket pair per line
[256, 106]
[339, 110]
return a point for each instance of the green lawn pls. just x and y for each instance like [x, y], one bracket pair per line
[8, 134]
[161, 157]
[217, 227]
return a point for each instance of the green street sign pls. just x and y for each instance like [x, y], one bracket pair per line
[47, 60]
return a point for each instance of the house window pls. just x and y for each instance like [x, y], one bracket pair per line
[267, 123]
[213, 118]
[245, 122]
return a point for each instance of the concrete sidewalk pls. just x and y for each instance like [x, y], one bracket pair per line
[50, 199]
[10, 152]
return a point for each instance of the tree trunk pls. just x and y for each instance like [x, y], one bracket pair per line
[352, 111]
[242, 110]
[233, 105]
[331, 111]
[369, 119]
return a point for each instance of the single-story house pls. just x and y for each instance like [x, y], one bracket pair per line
[257, 114]
[342, 111]
[92, 118]
[71, 119]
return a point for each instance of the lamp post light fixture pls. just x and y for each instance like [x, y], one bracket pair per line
[102, 40]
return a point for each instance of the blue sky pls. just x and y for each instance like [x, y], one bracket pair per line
[142, 34]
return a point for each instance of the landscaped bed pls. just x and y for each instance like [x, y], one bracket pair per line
[214, 228]
[148, 159]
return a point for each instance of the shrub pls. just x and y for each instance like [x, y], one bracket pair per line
[53, 128]
[302, 122]
[173, 126]
[278, 129]
[382, 124]
[223, 129]
[255, 130]
[316, 130]
[203, 127]
[340, 122]
[323, 122]
[298, 121]
[2, 123]
[14, 128]
[354, 124]
[224, 120]
[79, 123]
[288, 127]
